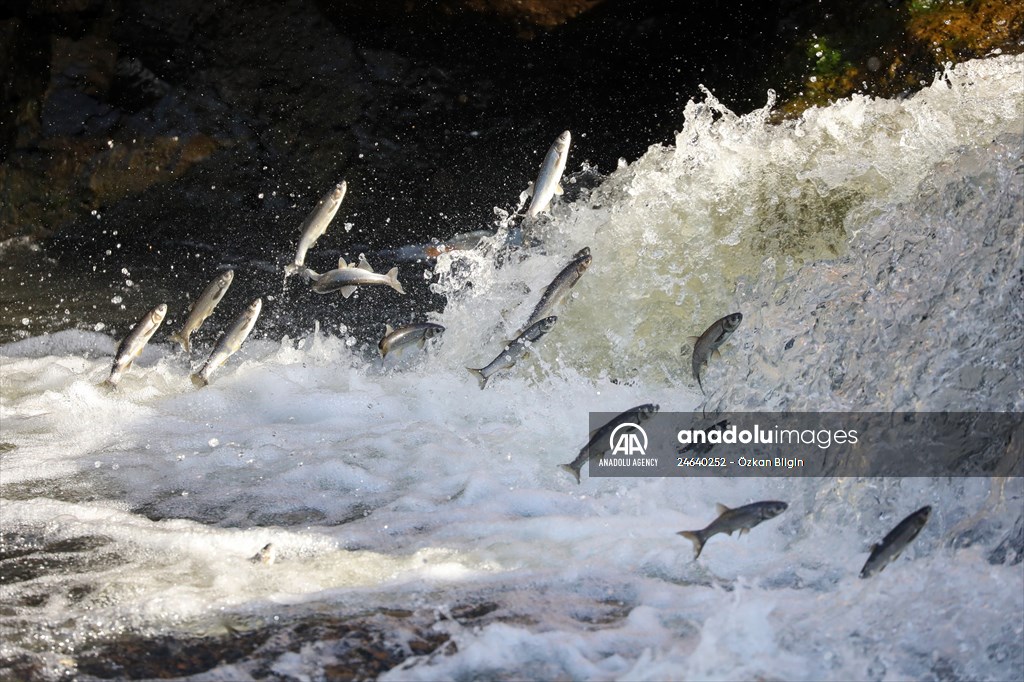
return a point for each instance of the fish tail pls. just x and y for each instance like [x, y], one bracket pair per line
[393, 280]
[572, 470]
[177, 337]
[199, 381]
[479, 377]
[697, 538]
[293, 269]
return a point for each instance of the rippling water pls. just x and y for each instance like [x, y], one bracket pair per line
[875, 250]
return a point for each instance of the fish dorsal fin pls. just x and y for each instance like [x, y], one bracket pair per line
[342, 263]
[558, 189]
[363, 264]
[388, 329]
[721, 508]
[693, 339]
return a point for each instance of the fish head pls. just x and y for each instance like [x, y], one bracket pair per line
[582, 263]
[585, 251]
[157, 314]
[920, 518]
[254, 307]
[432, 331]
[647, 411]
[225, 279]
[563, 141]
[545, 325]
[338, 193]
[731, 322]
[771, 509]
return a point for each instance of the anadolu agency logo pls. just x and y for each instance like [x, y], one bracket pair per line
[628, 439]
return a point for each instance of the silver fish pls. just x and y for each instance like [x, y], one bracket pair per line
[203, 307]
[347, 277]
[229, 342]
[547, 185]
[132, 345]
[267, 555]
[316, 224]
[707, 344]
[895, 542]
[560, 286]
[398, 339]
[741, 518]
[634, 415]
[514, 351]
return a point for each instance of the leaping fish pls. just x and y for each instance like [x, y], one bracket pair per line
[741, 518]
[395, 340]
[267, 555]
[888, 550]
[708, 343]
[635, 415]
[315, 225]
[514, 351]
[347, 277]
[132, 345]
[229, 342]
[203, 308]
[560, 286]
[547, 185]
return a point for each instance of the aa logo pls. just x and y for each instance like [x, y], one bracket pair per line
[628, 439]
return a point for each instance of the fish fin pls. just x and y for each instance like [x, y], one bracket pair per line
[199, 381]
[696, 538]
[744, 531]
[183, 340]
[422, 342]
[393, 280]
[693, 339]
[347, 291]
[558, 189]
[700, 385]
[388, 329]
[310, 274]
[364, 264]
[721, 508]
[715, 354]
[572, 470]
[293, 269]
[342, 263]
[479, 377]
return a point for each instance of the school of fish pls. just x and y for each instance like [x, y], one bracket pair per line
[347, 277]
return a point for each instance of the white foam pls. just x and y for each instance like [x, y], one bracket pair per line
[379, 485]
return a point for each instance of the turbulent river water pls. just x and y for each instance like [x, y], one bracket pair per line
[874, 248]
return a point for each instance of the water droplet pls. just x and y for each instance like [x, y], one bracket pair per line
[213, 442]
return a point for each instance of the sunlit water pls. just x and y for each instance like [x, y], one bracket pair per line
[875, 250]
